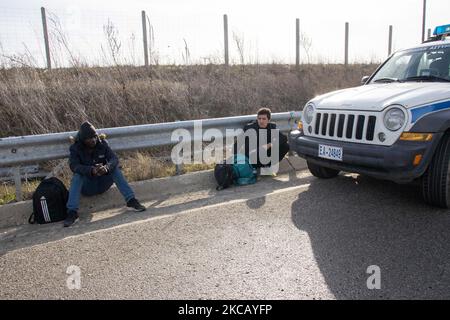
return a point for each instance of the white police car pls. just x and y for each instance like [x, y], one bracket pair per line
[396, 126]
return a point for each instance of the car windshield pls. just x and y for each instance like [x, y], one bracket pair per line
[421, 64]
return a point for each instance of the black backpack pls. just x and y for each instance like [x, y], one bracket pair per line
[224, 175]
[49, 202]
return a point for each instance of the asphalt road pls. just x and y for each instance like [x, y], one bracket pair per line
[298, 239]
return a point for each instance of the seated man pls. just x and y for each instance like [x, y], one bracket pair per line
[95, 168]
[263, 127]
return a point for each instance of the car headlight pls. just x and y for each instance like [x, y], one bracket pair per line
[308, 113]
[394, 119]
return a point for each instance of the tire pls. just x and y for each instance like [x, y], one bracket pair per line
[321, 172]
[436, 180]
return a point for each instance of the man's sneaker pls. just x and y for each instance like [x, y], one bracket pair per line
[72, 217]
[133, 203]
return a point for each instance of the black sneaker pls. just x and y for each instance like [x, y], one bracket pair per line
[72, 217]
[133, 203]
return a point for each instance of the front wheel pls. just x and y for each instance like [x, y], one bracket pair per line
[321, 172]
[436, 180]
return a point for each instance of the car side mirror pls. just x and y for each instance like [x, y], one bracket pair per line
[364, 79]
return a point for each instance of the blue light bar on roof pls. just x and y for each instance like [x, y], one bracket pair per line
[441, 30]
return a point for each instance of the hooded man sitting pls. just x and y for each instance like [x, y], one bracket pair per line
[95, 169]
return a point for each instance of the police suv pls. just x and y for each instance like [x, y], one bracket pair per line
[396, 126]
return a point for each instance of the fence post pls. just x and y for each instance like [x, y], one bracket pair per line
[18, 183]
[47, 47]
[297, 42]
[225, 33]
[423, 19]
[390, 41]
[144, 36]
[346, 43]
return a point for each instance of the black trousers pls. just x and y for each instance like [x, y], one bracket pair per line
[282, 151]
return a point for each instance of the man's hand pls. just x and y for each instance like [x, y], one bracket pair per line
[267, 146]
[99, 170]
[94, 171]
[102, 170]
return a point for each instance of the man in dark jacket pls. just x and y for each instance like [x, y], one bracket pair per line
[95, 169]
[262, 127]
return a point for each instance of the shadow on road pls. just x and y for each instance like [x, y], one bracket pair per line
[354, 223]
[28, 235]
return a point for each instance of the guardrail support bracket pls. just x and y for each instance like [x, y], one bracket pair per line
[18, 183]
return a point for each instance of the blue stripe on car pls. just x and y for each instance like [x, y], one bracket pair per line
[419, 112]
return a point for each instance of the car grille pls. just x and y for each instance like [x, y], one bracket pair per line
[345, 126]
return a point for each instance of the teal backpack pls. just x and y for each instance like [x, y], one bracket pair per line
[244, 173]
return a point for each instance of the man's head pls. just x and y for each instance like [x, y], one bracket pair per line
[88, 134]
[263, 117]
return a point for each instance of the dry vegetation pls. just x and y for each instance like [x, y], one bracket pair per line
[35, 101]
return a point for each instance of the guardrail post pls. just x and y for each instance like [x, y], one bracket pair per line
[293, 124]
[18, 183]
[178, 169]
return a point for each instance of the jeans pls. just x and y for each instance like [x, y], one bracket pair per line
[96, 185]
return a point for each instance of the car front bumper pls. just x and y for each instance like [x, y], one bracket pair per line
[393, 162]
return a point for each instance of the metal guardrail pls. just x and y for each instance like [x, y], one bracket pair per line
[24, 150]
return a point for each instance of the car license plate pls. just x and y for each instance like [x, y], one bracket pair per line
[329, 152]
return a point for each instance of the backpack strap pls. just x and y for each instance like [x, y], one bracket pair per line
[236, 172]
[31, 219]
[245, 181]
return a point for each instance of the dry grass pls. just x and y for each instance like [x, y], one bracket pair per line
[34, 101]
[148, 167]
[142, 166]
[8, 191]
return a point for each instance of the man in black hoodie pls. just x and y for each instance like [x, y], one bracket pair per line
[95, 169]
